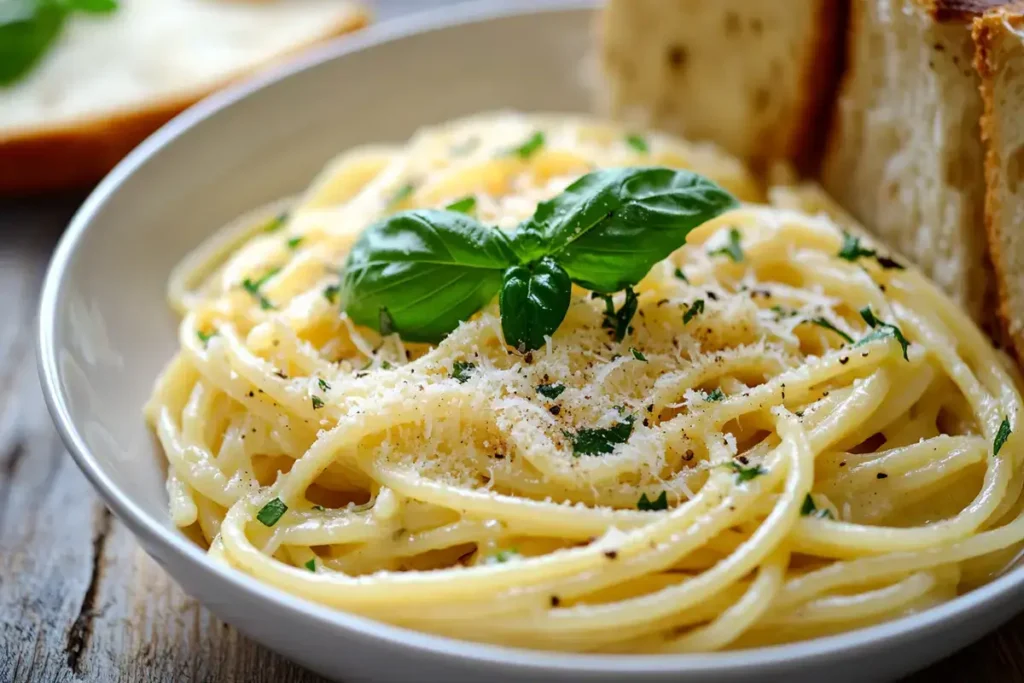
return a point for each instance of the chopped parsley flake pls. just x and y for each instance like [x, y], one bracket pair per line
[1001, 436]
[551, 391]
[695, 309]
[809, 509]
[384, 365]
[822, 322]
[270, 513]
[464, 205]
[637, 354]
[205, 336]
[618, 321]
[715, 396]
[276, 223]
[331, 293]
[681, 275]
[659, 503]
[253, 287]
[401, 194]
[733, 249]
[744, 473]
[638, 143]
[294, 242]
[311, 565]
[503, 556]
[881, 331]
[527, 149]
[461, 370]
[324, 386]
[601, 441]
[851, 249]
[318, 403]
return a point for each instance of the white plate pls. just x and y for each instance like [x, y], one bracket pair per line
[105, 331]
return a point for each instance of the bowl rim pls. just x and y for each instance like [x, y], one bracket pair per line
[155, 530]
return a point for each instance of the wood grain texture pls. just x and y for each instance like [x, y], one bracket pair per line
[80, 601]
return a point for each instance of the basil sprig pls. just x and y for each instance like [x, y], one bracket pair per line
[433, 269]
[28, 28]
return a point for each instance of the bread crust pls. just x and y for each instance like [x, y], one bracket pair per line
[958, 10]
[984, 30]
[78, 154]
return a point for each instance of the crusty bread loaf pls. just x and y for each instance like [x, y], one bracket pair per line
[904, 155]
[999, 36]
[111, 80]
[755, 77]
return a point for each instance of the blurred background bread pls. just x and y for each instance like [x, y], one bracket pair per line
[904, 154]
[755, 77]
[999, 37]
[110, 80]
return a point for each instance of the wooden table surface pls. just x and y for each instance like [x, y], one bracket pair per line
[80, 601]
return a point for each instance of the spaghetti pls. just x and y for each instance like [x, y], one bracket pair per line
[796, 435]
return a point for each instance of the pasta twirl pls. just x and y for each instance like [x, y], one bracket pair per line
[818, 440]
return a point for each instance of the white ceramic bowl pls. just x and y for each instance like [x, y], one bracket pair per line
[105, 332]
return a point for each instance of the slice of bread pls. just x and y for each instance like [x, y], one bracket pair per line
[755, 77]
[111, 80]
[999, 36]
[905, 155]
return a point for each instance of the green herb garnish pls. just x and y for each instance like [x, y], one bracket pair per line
[1001, 436]
[551, 391]
[401, 194]
[29, 28]
[822, 322]
[659, 503]
[205, 336]
[851, 249]
[603, 233]
[461, 370]
[464, 205]
[253, 287]
[276, 223]
[601, 441]
[745, 473]
[331, 293]
[311, 565]
[809, 509]
[318, 403]
[270, 513]
[294, 242]
[733, 249]
[681, 275]
[637, 354]
[715, 396]
[881, 331]
[638, 143]
[695, 309]
[528, 148]
[503, 556]
[324, 386]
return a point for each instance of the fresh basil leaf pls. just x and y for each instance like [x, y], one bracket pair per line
[696, 308]
[823, 322]
[624, 315]
[611, 226]
[601, 441]
[529, 147]
[638, 143]
[881, 331]
[464, 205]
[461, 370]
[733, 248]
[428, 269]
[551, 391]
[270, 513]
[744, 473]
[27, 30]
[533, 300]
[1001, 436]
[659, 503]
